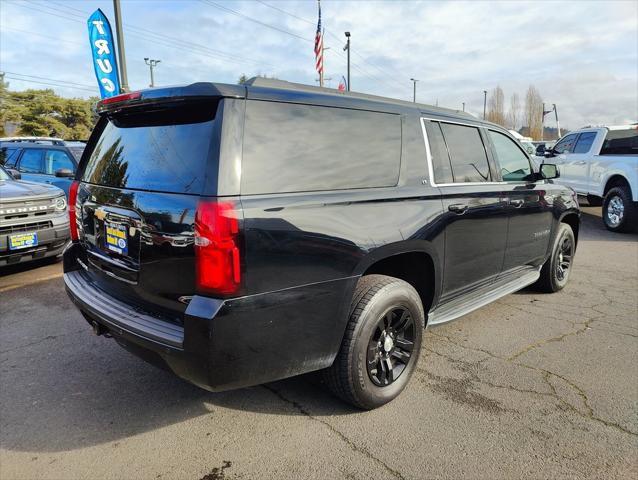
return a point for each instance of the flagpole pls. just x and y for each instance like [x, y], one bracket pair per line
[323, 58]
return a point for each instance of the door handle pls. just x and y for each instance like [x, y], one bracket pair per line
[517, 203]
[582, 162]
[458, 208]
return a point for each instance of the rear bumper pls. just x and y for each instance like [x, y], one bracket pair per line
[226, 344]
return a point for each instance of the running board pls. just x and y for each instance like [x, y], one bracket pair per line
[462, 306]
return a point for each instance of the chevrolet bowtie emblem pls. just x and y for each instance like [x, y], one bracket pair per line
[100, 213]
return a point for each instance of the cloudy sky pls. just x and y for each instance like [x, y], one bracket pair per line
[581, 55]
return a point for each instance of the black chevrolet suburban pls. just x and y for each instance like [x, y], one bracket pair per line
[240, 234]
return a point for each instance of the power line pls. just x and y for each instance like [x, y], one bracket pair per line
[46, 78]
[42, 82]
[267, 25]
[42, 35]
[143, 34]
[337, 38]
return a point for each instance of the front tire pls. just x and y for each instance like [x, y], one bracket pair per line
[556, 270]
[619, 211]
[381, 344]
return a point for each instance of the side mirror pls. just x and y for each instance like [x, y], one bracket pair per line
[548, 171]
[64, 173]
[14, 173]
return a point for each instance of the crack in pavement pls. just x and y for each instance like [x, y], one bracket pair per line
[590, 415]
[364, 451]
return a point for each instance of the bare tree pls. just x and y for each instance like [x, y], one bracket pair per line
[513, 115]
[534, 112]
[496, 106]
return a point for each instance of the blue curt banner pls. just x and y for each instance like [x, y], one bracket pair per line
[103, 51]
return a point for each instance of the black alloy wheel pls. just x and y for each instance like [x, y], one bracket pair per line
[390, 346]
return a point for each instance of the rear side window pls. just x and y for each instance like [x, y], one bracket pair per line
[297, 148]
[54, 160]
[165, 150]
[467, 153]
[583, 144]
[31, 161]
[621, 142]
[441, 166]
[512, 161]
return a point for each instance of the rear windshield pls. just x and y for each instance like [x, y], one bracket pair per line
[621, 142]
[165, 150]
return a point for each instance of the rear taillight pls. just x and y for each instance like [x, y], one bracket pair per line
[218, 269]
[73, 196]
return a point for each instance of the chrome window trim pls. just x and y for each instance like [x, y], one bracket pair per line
[428, 155]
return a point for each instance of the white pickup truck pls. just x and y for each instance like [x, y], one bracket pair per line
[602, 163]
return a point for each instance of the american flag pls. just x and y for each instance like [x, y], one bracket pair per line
[319, 45]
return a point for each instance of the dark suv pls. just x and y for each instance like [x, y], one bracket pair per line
[242, 234]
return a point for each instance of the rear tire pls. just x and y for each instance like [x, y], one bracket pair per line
[619, 211]
[381, 344]
[556, 270]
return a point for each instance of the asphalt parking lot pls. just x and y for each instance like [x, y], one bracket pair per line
[532, 386]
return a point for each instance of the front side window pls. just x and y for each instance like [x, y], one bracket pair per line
[566, 144]
[467, 153]
[31, 161]
[584, 142]
[54, 160]
[512, 161]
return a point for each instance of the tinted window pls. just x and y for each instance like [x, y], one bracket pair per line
[512, 161]
[467, 153]
[31, 161]
[566, 144]
[621, 142]
[584, 142]
[294, 148]
[438, 151]
[165, 151]
[54, 160]
[8, 155]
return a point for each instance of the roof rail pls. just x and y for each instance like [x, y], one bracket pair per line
[262, 82]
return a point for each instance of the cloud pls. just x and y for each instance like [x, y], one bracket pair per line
[583, 56]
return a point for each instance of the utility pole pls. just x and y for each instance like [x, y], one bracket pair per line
[120, 46]
[347, 47]
[151, 63]
[557, 124]
[484, 103]
[463, 106]
[414, 80]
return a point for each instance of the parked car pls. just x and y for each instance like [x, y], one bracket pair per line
[602, 163]
[240, 234]
[34, 222]
[52, 164]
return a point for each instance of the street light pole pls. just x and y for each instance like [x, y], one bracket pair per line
[347, 47]
[557, 124]
[120, 46]
[484, 103]
[414, 80]
[151, 63]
